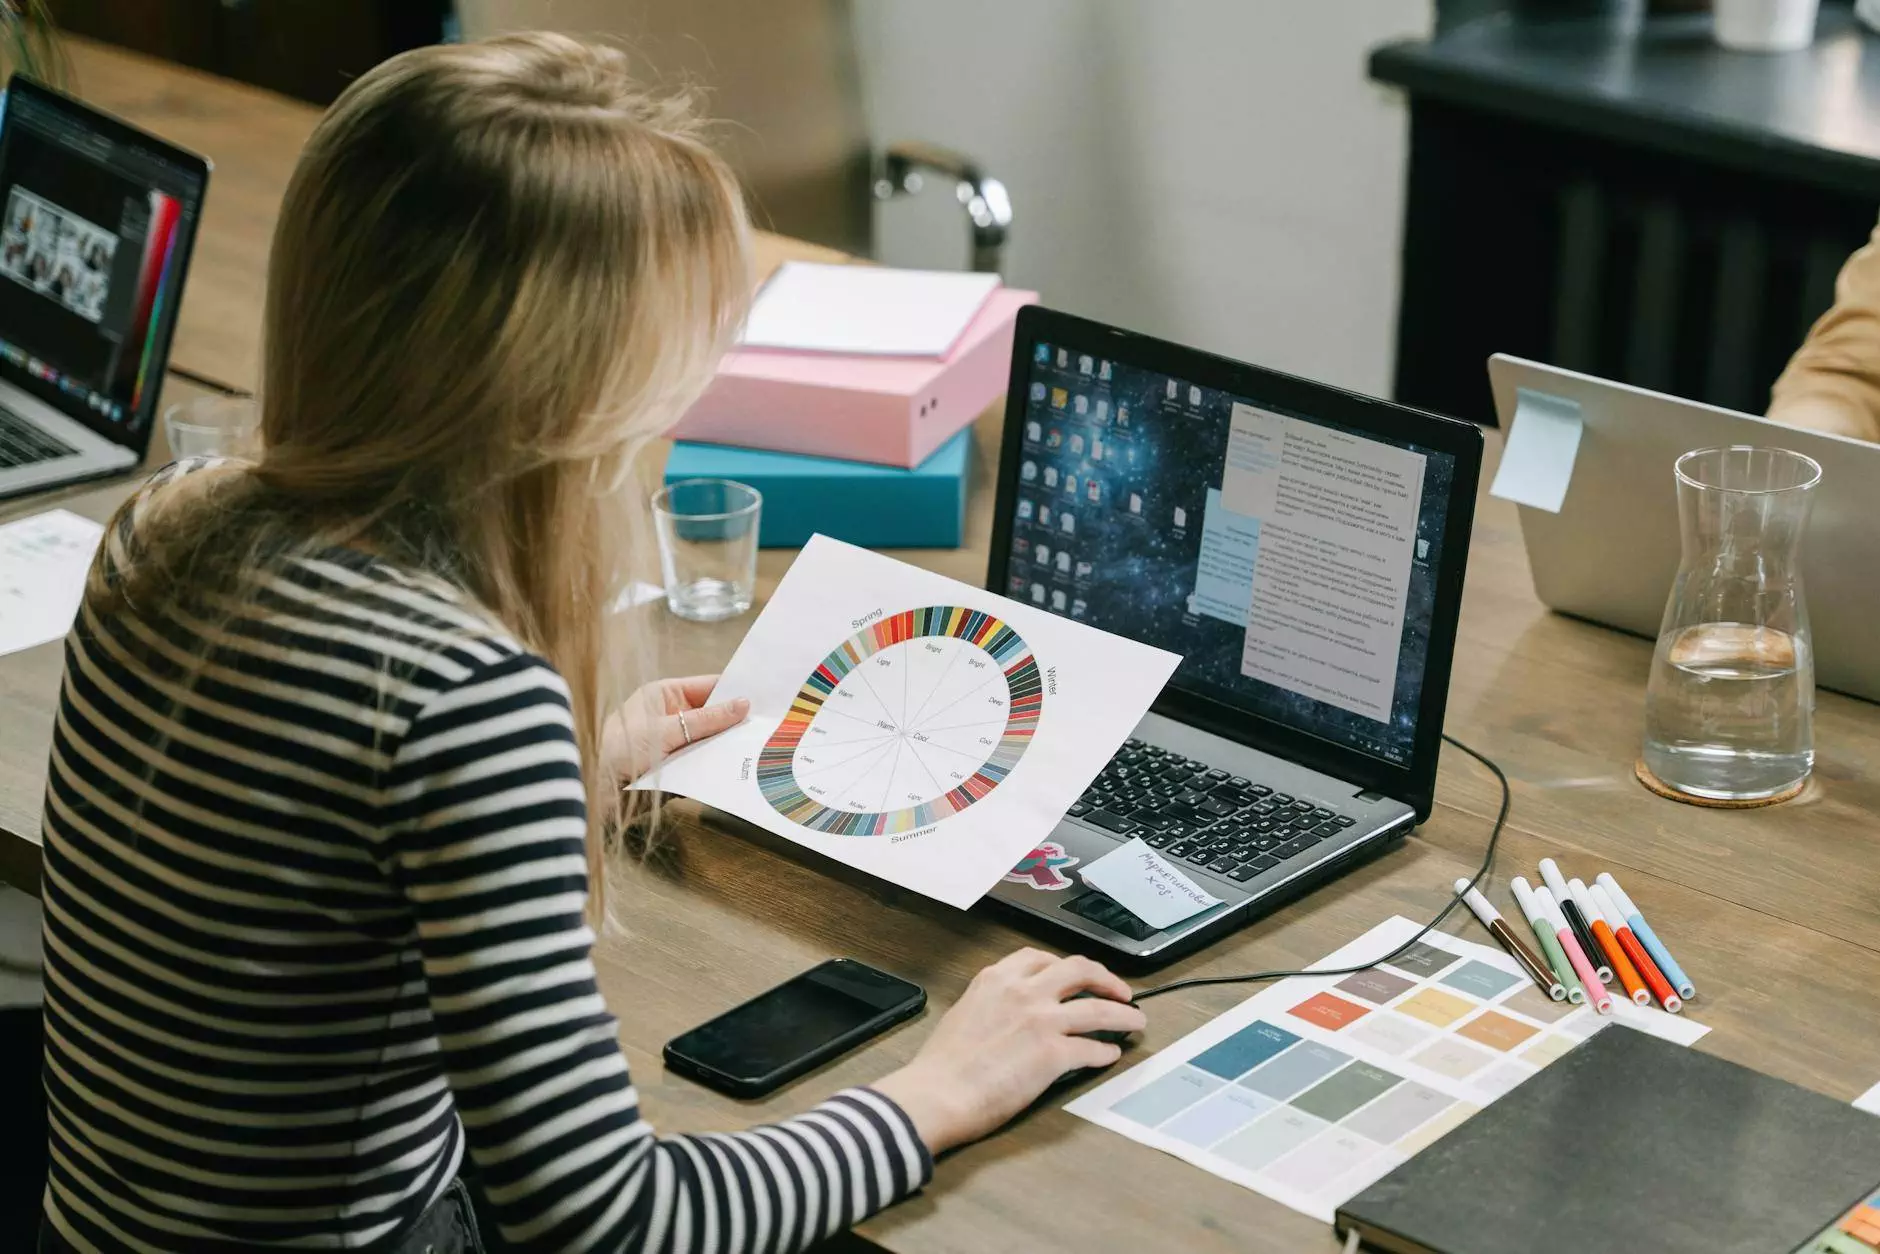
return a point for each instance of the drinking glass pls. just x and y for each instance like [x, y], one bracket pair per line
[708, 546]
[212, 426]
[1730, 708]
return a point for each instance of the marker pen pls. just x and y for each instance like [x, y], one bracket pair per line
[1653, 946]
[1609, 944]
[1550, 944]
[1565, 906]
[1528, 960]
[1582, 966]
[1648, 970]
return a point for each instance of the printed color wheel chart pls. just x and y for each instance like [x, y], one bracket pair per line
[909, 721]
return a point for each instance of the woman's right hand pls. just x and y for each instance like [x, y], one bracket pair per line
[1017, 1029]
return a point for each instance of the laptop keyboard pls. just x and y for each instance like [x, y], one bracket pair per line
[22, 443]
[1197, 814]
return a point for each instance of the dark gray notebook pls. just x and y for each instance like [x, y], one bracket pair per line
[1630, 1143]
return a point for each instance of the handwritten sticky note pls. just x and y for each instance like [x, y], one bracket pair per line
[1543, 443]
[1144, 883]
[43, 563]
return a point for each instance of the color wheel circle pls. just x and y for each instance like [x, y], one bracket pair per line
[912, 709]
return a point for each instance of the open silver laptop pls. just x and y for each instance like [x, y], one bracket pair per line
[1612, 551]
[97, 220]
[1302, 548]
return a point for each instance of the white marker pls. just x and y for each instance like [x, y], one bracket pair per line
[1647, 937]
[1548, 936]
[1525, 958]
[1581, 927]
[1582, 965]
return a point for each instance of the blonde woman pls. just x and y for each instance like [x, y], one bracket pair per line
[334, 766]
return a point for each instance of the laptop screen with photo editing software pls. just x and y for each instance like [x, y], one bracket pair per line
[95, 230]
[1291, 562]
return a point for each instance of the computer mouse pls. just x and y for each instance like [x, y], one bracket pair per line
[1107, 1035]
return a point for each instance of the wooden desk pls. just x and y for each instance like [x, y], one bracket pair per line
[1772, 912]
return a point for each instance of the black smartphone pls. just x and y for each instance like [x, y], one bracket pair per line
[794, 1028]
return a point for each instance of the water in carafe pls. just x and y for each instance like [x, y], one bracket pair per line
[1730, 707]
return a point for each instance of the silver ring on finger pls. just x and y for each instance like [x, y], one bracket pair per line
[683, 729]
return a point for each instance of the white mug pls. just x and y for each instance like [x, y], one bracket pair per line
[1766, 25]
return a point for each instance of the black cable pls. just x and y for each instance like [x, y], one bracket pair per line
[1481, 872]
[205, 381]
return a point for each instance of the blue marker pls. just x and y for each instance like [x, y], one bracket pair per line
[1648, 938]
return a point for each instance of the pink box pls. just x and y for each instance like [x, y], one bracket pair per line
[891, 410]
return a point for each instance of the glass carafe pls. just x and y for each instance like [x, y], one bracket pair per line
[1730, 708]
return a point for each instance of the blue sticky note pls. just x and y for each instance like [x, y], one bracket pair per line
[1537, 459]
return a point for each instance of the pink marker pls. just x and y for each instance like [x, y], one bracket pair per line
[1596, 993]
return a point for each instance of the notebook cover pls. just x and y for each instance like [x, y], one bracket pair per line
[1630, 1143]
[880, 507]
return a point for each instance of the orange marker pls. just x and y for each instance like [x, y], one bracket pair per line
[1648, 970]
[1609, 944]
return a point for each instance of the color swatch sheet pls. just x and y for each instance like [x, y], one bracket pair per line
[1857, 1232]
[1312, 1089]
[912, 726]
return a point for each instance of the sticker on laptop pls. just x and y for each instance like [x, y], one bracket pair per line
[1044, 868]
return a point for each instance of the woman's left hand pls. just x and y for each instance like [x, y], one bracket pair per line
[664, 717]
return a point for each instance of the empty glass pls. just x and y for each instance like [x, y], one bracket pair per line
[212, 426]
[708, 546]
[1730, 708]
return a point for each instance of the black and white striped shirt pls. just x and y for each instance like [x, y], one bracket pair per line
[313, 900]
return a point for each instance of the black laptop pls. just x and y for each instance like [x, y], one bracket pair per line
[1302, 548]
[97, 221]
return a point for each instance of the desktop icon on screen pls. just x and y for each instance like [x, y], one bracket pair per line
[1194, 397]
[1050, 476]
[1181, 516]
[1171, 389]
[1042, 354]
[1103, 370]
[1058, 600]
[1082, 405]
[1103, 411]
[1064, 359]
[1034, 431]
[1037, 593]
[1077, 444]
[1037, 391]
[1064, 562]
[1058, 397]
[1084, 364]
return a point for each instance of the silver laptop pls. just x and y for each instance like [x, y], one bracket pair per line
[1302, 548]
[97, 220]
[1612, 551]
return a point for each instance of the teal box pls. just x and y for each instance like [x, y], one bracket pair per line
[879, 507]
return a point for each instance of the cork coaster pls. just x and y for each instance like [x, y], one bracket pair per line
[1652, 782]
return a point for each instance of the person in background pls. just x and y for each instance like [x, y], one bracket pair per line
[336, 762]
[1832, 383]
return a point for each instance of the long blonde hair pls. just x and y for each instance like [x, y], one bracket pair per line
[501, 268]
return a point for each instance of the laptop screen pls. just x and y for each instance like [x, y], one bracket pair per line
[95, 227]
[1291, 562]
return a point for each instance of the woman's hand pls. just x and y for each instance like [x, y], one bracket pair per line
[664, 717]
[1015, 1032]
